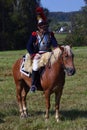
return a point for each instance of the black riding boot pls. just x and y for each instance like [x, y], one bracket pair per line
[34, 80]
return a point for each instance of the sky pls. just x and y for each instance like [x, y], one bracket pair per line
[63, 5]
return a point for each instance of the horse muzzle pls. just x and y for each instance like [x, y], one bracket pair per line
[70, 71]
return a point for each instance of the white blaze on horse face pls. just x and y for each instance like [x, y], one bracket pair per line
[68, 61]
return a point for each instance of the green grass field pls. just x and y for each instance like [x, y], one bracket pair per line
[60, 37]
[73, 106]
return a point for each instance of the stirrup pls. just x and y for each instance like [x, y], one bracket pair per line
[33, 88]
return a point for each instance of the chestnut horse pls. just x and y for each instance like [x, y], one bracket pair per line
[51, 80]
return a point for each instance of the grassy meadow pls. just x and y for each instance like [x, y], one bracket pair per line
[60, 37]
[73, 106]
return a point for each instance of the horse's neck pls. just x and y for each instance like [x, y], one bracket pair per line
[52, 74]
[57, 65]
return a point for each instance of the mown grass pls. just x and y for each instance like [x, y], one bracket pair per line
[73, 106]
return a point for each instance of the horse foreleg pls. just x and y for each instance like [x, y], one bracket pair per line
[57, 103]
[47, 99]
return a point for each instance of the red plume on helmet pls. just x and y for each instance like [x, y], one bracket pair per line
[40, 15]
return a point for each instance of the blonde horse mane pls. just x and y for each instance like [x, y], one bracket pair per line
[44, 59]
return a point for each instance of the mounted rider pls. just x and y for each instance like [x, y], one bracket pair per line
[39, 43]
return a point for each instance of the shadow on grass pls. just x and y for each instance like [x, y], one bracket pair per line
[1, 116]
[1, 80]
[1, 121]
[66, 115]
[73, 114]
[7, 114]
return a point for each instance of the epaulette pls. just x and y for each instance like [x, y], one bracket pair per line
[34, 33]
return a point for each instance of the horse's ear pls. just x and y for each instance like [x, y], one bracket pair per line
[61, 48]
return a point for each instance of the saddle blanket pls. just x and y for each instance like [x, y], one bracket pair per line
[23, 66]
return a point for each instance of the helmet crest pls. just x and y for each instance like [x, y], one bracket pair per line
[41, 18]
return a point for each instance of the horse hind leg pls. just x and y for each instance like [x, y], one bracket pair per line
[21, 97]
[24, 92]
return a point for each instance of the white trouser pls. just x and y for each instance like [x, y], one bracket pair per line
[36, 62]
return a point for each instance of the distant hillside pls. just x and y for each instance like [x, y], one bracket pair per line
[61, 16]
[57, 18]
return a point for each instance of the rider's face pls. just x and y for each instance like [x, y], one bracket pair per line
[43, 28]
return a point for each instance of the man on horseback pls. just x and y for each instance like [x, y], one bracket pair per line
[40, 42]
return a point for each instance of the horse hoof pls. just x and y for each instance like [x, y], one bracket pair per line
[57, 120]
[26, 116]
[46, 120]
[23, 116]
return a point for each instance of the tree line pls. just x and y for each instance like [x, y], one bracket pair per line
[17, 21]
[61, 19]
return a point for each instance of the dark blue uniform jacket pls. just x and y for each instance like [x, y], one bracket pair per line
[32, 45]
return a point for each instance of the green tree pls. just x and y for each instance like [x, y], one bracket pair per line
[17, 21]
[5, 9]
[25, 22]
[78, 37]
